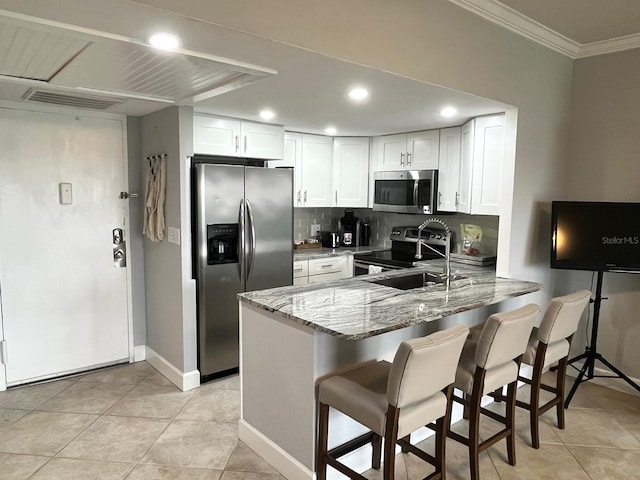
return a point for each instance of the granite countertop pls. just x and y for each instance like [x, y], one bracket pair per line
[355, 308]
[314, 253]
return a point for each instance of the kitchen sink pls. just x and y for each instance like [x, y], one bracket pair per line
[408, 282]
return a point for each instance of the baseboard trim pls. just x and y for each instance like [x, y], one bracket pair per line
[184, 381]
[139, 353]
[272, 453]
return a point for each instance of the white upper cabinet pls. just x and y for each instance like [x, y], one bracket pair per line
[237, 138]
[408, 151]
[315, 172]
[449, 169]
[488, 155]
[474, 185]
[350, 171]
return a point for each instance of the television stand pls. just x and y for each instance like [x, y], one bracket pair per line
[591, 352]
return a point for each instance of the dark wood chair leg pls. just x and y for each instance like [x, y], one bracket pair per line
[534, 397]
[510, 422]
[376, 443]
[465, 407]
[403, 449]
[442, 427]
[474, 424]
[497, 395]
[323, 434]
[390, 438]
[561, 373]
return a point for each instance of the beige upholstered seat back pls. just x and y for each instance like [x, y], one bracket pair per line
[424, 366]
[562, 316]
[505, 336]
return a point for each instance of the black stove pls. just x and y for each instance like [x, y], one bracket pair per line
[403, 250]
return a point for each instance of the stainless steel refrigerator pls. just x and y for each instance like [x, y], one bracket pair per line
[243, 242]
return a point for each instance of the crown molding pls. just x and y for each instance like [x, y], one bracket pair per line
[507, 17]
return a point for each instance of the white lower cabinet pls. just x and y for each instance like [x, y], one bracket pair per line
[322, 269]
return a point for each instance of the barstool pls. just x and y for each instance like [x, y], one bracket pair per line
[393, 400]
[489, 361]
[549, 344]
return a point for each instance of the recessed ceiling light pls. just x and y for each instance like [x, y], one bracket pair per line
[358, 94]
[330, 130]
[448, 112]
[267, 114]
[164, 41]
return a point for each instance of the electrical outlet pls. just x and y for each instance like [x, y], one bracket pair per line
[315, 228]
[173, 235]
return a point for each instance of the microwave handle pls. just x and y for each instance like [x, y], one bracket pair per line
[415, 192]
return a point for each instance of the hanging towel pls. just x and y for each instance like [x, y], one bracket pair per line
[154, 197]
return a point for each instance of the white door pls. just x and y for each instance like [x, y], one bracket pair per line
[262, 141]
[488, 152]
[350, 171]
[392, 152]
[64, 303]
[449, 168]
[216, 136]
[422, 150]
[317, 154]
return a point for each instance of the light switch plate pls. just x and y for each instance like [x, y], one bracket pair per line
[173, 235]
[315, 228]
[66, 193]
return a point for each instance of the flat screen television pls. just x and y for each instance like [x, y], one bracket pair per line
[596, 236]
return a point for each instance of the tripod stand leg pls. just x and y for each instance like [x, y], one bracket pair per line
[618, 372]
[578, 380]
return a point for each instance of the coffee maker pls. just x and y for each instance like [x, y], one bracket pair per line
[349, 228]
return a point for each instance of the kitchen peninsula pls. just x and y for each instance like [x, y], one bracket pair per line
[293, 336]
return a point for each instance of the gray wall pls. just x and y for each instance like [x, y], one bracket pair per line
[604, 166]
[136, 261]
[163, 261]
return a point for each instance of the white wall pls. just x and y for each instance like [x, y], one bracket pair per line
[604, 166]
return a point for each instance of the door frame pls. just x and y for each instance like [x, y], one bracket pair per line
[127, 223]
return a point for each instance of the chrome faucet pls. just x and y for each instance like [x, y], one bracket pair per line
[447, 248]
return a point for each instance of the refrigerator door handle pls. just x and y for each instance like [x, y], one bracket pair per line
[243, 279]
[252, 247]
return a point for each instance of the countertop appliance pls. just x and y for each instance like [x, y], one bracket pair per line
[329, 239]
[349, 228]
[406, 191]
[243, 241]
[403, 250]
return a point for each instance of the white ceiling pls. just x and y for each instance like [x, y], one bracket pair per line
[308, 92]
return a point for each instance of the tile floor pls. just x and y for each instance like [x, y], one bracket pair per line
[129, 422]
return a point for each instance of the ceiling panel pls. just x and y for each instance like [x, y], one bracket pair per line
[35, 53]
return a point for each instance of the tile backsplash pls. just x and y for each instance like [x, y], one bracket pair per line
[382, 222]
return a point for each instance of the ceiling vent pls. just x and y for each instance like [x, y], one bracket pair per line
[94, 102]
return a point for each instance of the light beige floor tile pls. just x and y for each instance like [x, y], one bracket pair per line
[32, 396]
[243, 459]
[19, 467]
[585, 427]
[607, 463]
[194, 444]
[590, 395]
[399, 470]
[149, 401]
[115, 439]
[86, 397]
[212, 405]
[163, 472]
[549, 462]
[227, 475]
[631, 421]
[43, 433]
[130, 374]
[67, 469]
[10, 415]
[226, 383]
[157, 379]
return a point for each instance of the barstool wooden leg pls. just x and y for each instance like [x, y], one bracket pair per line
[510, 424]
[390, 438]
[376, 443]
[323, 434]
[534, 403]
[562, 370]
[474, 425]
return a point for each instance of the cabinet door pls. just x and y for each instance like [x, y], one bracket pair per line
[466, 168]
[260, 140]
[449, 169]
[488, 152]
[350, 171]
[422, 150]
[316, 178]
[392, 152]
[292, 157]
[215, 135]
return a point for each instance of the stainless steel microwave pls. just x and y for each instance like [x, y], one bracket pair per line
[405, 191]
